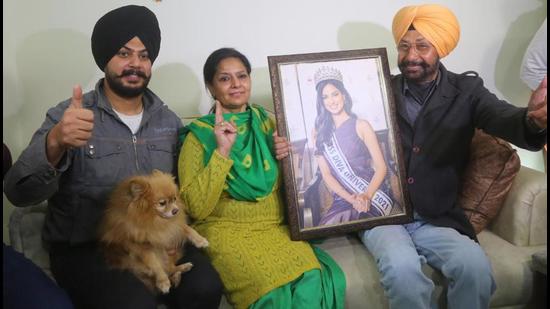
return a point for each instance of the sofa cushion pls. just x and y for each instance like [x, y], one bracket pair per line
[363, 288]
[512, 269]
[522, 220]
[487, 179]
[25, 230]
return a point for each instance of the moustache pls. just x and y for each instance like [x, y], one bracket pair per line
[407, 63]
[133, 72]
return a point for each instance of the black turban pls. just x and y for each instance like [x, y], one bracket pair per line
[119, 26]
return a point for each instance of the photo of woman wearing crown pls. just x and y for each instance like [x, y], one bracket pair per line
[345, 168]
[348, 154]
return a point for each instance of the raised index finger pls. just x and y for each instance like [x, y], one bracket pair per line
[219, 113]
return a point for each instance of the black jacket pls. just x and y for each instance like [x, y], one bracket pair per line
[441, 140]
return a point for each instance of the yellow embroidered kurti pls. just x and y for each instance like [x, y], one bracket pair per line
[250, 247]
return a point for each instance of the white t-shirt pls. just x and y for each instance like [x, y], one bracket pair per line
[131, 121]
[534, 67]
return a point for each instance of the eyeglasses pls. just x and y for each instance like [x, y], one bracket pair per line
[420, 48]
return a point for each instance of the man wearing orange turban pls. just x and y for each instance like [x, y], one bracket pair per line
[435, 22]
[438, 112]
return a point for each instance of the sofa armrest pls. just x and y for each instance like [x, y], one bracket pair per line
[522, 219]
[25, 228]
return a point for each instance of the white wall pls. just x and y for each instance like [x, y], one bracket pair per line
[46, 47]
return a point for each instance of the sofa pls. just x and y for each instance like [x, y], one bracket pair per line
[511, 239]
[517, 232]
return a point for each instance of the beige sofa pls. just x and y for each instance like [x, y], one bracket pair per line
[518, 232]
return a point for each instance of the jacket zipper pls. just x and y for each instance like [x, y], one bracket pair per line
[134, 141]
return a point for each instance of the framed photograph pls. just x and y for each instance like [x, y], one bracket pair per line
[345, 171]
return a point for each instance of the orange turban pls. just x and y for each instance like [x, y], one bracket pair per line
[435, 22]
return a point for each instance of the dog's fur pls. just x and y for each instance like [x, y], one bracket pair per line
[144, 220]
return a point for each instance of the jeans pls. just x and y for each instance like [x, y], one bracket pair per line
[400, 251]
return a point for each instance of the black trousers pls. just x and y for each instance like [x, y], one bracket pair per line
[91, 283]
[26, 286]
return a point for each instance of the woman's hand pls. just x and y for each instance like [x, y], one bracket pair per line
[225, 132]
[282, 146]
[360, 203]
[365, 199]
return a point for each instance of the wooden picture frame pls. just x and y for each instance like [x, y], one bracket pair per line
[331, 132]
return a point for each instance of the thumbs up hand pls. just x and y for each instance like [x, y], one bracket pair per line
[76, 99]
[77, 123]
[73, 130]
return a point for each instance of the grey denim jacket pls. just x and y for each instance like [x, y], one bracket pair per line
[78, 187]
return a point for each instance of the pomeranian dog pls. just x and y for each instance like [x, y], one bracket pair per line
[144, 229]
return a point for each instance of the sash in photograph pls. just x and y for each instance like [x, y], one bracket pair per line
[350, 181]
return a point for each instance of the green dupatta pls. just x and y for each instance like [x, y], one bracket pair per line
[254, 169]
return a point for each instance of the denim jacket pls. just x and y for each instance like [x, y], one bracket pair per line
[78, 187]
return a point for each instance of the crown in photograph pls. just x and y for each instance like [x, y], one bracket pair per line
[326, 73]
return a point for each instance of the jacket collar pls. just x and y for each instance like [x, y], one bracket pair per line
[438, 103]
[151, 102]
[442, 97]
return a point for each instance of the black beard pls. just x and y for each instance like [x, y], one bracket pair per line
[123, 91]
[426, 72]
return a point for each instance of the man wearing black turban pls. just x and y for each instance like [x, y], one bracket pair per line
[119, 26]
[113, 31]
[88, 144]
